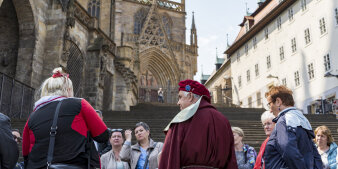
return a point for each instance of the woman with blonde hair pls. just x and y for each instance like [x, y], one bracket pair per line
[245, 154]
[326, 147]
[59, 129]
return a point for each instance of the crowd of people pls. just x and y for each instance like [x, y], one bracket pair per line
[67, 132]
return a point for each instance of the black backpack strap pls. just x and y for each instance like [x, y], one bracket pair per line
[147, 158]
[53, 130]
[89, 148]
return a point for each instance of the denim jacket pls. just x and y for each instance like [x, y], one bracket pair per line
[290, 144]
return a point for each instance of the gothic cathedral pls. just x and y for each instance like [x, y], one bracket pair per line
[118, 52]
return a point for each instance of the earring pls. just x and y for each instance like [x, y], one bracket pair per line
[279, 108]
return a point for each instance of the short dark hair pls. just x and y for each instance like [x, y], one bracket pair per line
[281, 92]
[111, 131]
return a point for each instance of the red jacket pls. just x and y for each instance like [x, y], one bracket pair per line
[76, 117]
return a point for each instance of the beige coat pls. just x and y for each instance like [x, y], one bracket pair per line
[132, 153]
[108, 161]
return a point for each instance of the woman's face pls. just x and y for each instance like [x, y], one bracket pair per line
[238, 139]
[268, 126]
[141, 133]
[116, 139]
[321, 139]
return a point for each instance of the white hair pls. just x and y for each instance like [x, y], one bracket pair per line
[267, 115]
[59, 86]
[196, 96]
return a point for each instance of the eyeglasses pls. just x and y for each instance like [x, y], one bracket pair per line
[17, 139]
[267, 124]
[268, 104]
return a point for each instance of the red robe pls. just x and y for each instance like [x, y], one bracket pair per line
[205, 139]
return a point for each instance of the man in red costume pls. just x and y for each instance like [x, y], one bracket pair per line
[199, 137]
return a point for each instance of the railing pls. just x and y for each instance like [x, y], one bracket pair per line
[16, 98]
[164, 4]
[176, 46]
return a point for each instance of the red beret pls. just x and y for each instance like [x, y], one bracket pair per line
[194, 87]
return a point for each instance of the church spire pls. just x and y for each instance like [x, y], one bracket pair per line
[228, 41]
[193, 33]
[193, 27]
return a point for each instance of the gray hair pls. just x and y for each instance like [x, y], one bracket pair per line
[266, 116]
[196, 96]
[143, 124]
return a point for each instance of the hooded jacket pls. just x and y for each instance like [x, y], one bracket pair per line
[8, 148]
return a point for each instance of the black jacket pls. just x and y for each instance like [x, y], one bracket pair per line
[8, 148]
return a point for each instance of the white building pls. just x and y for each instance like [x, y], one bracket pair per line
[292, 43]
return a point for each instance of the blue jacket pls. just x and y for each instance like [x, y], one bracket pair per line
[290, 144]
[332, 156]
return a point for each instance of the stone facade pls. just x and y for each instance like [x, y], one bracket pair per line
[80, 36]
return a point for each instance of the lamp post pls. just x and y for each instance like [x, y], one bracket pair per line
[273, 77]
[328, 74]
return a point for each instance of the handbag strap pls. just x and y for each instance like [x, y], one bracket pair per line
[147, 158]
[53, 130]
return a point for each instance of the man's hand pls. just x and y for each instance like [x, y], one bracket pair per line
[127, 135]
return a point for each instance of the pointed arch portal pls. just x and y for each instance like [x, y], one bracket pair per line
[157, 71]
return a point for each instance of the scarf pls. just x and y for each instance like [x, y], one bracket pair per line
[258, 164]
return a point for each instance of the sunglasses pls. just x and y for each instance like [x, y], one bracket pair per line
[18, 139]
[116, 130]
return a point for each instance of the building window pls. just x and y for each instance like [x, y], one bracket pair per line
[284, 82]
[281, 53]
[279, 23]
[327, 63]
[297, 82]
[266, 33]
[139, 19]
[290, 12]
[303, 4]
[246, 47]
[246, 27]
[293, 45]
[167, 23]
[310, 71]
[256, 70]
[307, 36]
[238, 56]
[250, 102]
[239, 81]
[336, 15]
[94, 8]
[259, 99]
[248, 75]
[322, 26]
[254, 42]
[268, 62]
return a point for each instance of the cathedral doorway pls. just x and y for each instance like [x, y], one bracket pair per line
[158, 70]
[148, 87]
[9, 38]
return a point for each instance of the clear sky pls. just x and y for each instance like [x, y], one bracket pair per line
[214, 19]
